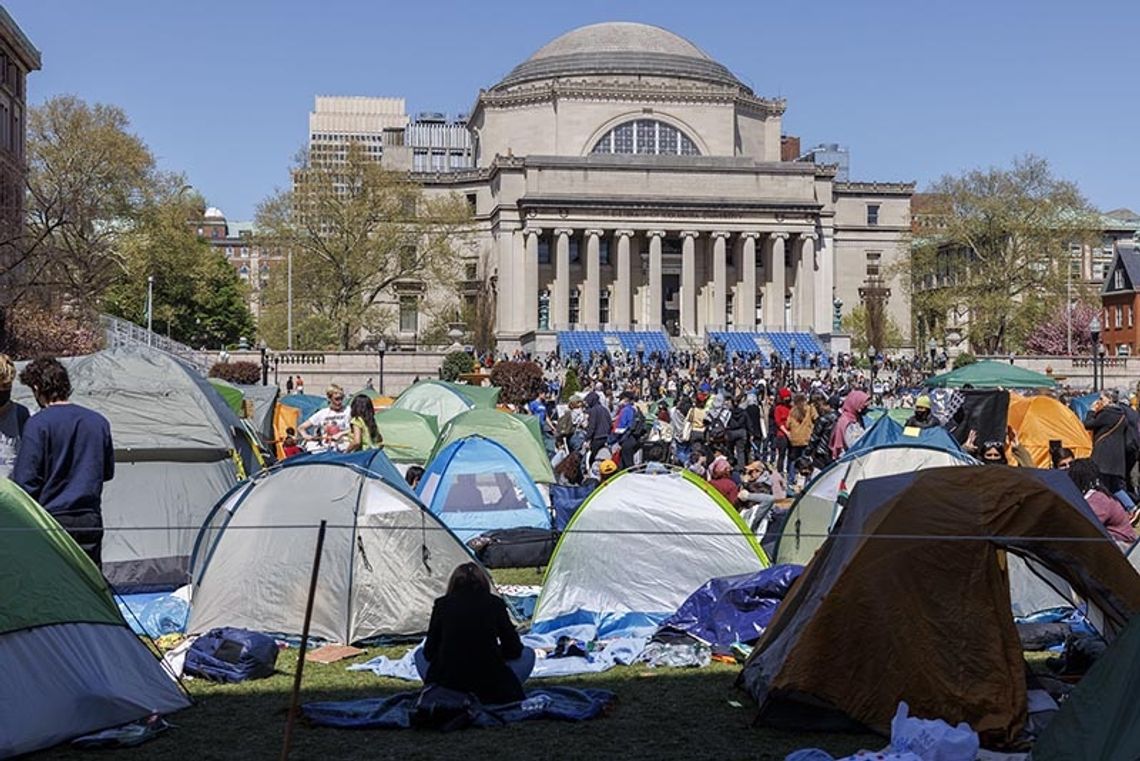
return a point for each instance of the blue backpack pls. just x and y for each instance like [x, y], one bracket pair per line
[231, 655]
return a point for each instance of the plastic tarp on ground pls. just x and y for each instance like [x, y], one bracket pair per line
[519, 434]
[178, 446]
[885, 450]
[989, 374]
[1101, 717]
[71, 664]
[409, 437]
[732, 609]
[476, 485]
[384, 562]
[1041, 419]
[636, 549]
[443, 400]
[896, 606]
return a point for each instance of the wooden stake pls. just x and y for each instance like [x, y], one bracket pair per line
[304, 644]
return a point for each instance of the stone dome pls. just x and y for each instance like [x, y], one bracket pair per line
[620, 48]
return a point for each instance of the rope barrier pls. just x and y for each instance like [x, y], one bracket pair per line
[601, 532]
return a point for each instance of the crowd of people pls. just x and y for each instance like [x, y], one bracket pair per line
[758, 429]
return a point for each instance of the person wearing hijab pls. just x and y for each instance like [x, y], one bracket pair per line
[849, 426]
[720, 478]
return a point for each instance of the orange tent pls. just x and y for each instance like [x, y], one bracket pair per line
[1041, 419]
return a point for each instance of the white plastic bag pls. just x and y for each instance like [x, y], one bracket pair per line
[932, 739]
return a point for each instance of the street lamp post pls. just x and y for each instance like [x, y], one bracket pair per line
[793, 348]
[872, 355]
[381, 349]
[932, 347]
[264, 362]
[640, 352]
[149, 308]
[1094, 330]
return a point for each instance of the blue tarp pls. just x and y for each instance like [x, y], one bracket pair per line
[395, 712]
[565, 501]
[476, 485]
[734, 609]
[885, 431]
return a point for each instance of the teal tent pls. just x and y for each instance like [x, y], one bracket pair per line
[519, 434]
[988, 374]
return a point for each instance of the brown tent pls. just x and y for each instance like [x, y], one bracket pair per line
[909, 600]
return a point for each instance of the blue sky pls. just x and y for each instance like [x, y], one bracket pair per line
[221, 90]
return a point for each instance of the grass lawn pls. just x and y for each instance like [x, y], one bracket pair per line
[663, 713]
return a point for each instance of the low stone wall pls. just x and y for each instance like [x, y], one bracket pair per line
[1119, 372]
[349, 369]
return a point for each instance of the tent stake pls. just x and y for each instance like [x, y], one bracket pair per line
[304, 645]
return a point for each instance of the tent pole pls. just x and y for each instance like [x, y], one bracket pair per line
[292, 716]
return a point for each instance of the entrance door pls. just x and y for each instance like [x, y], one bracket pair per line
[671, 304]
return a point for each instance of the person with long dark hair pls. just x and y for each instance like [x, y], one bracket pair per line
[365, 434]
[1116, 520]
[471, 645]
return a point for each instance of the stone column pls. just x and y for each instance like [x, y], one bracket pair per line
[748, 280]
[720, 280]
[776, 290]
[528, 275]
[825, 289]
[620, 303]
[656, 286]
[805, 283]
[591, 299]
[688, 282]
[560, 319]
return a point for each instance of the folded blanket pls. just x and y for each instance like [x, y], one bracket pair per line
[395, 712]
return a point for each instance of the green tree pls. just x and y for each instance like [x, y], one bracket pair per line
[198, 297]
[355, 231]
[89, 179]
[855, 324]
[456, 363]
[994, 247]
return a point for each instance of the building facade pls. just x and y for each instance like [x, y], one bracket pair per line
[337, 122]
[1120, 300]
[18, 57]
[235, 241]
[624, 179]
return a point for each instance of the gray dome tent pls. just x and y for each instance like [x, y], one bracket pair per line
[178, 449]
[385, 557]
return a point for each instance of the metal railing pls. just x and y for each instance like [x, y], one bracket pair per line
[121, 333]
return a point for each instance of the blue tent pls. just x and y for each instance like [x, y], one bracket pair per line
[475, 485]
[885, 432]
[1082, 404]
[733, 609]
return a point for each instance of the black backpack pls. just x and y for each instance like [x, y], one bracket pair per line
[638, 428]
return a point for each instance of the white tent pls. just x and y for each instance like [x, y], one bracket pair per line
[637, 548]
[817, 509]
[385, 558]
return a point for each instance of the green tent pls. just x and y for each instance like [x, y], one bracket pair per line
[408, 436]
[898, 414]
[63, 641]
[1101, 718]
[518, 434]
[988, 374]
[443, 400]
[230, 393]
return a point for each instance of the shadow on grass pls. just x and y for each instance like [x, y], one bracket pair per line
[663, 713]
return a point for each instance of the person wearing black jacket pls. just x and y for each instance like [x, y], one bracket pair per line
[471, 645]
[736, 433]
[1108, 425]
[598, 423]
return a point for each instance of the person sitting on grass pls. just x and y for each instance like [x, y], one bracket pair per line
[471, 645]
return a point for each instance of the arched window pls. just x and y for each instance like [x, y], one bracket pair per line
[646, 136]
